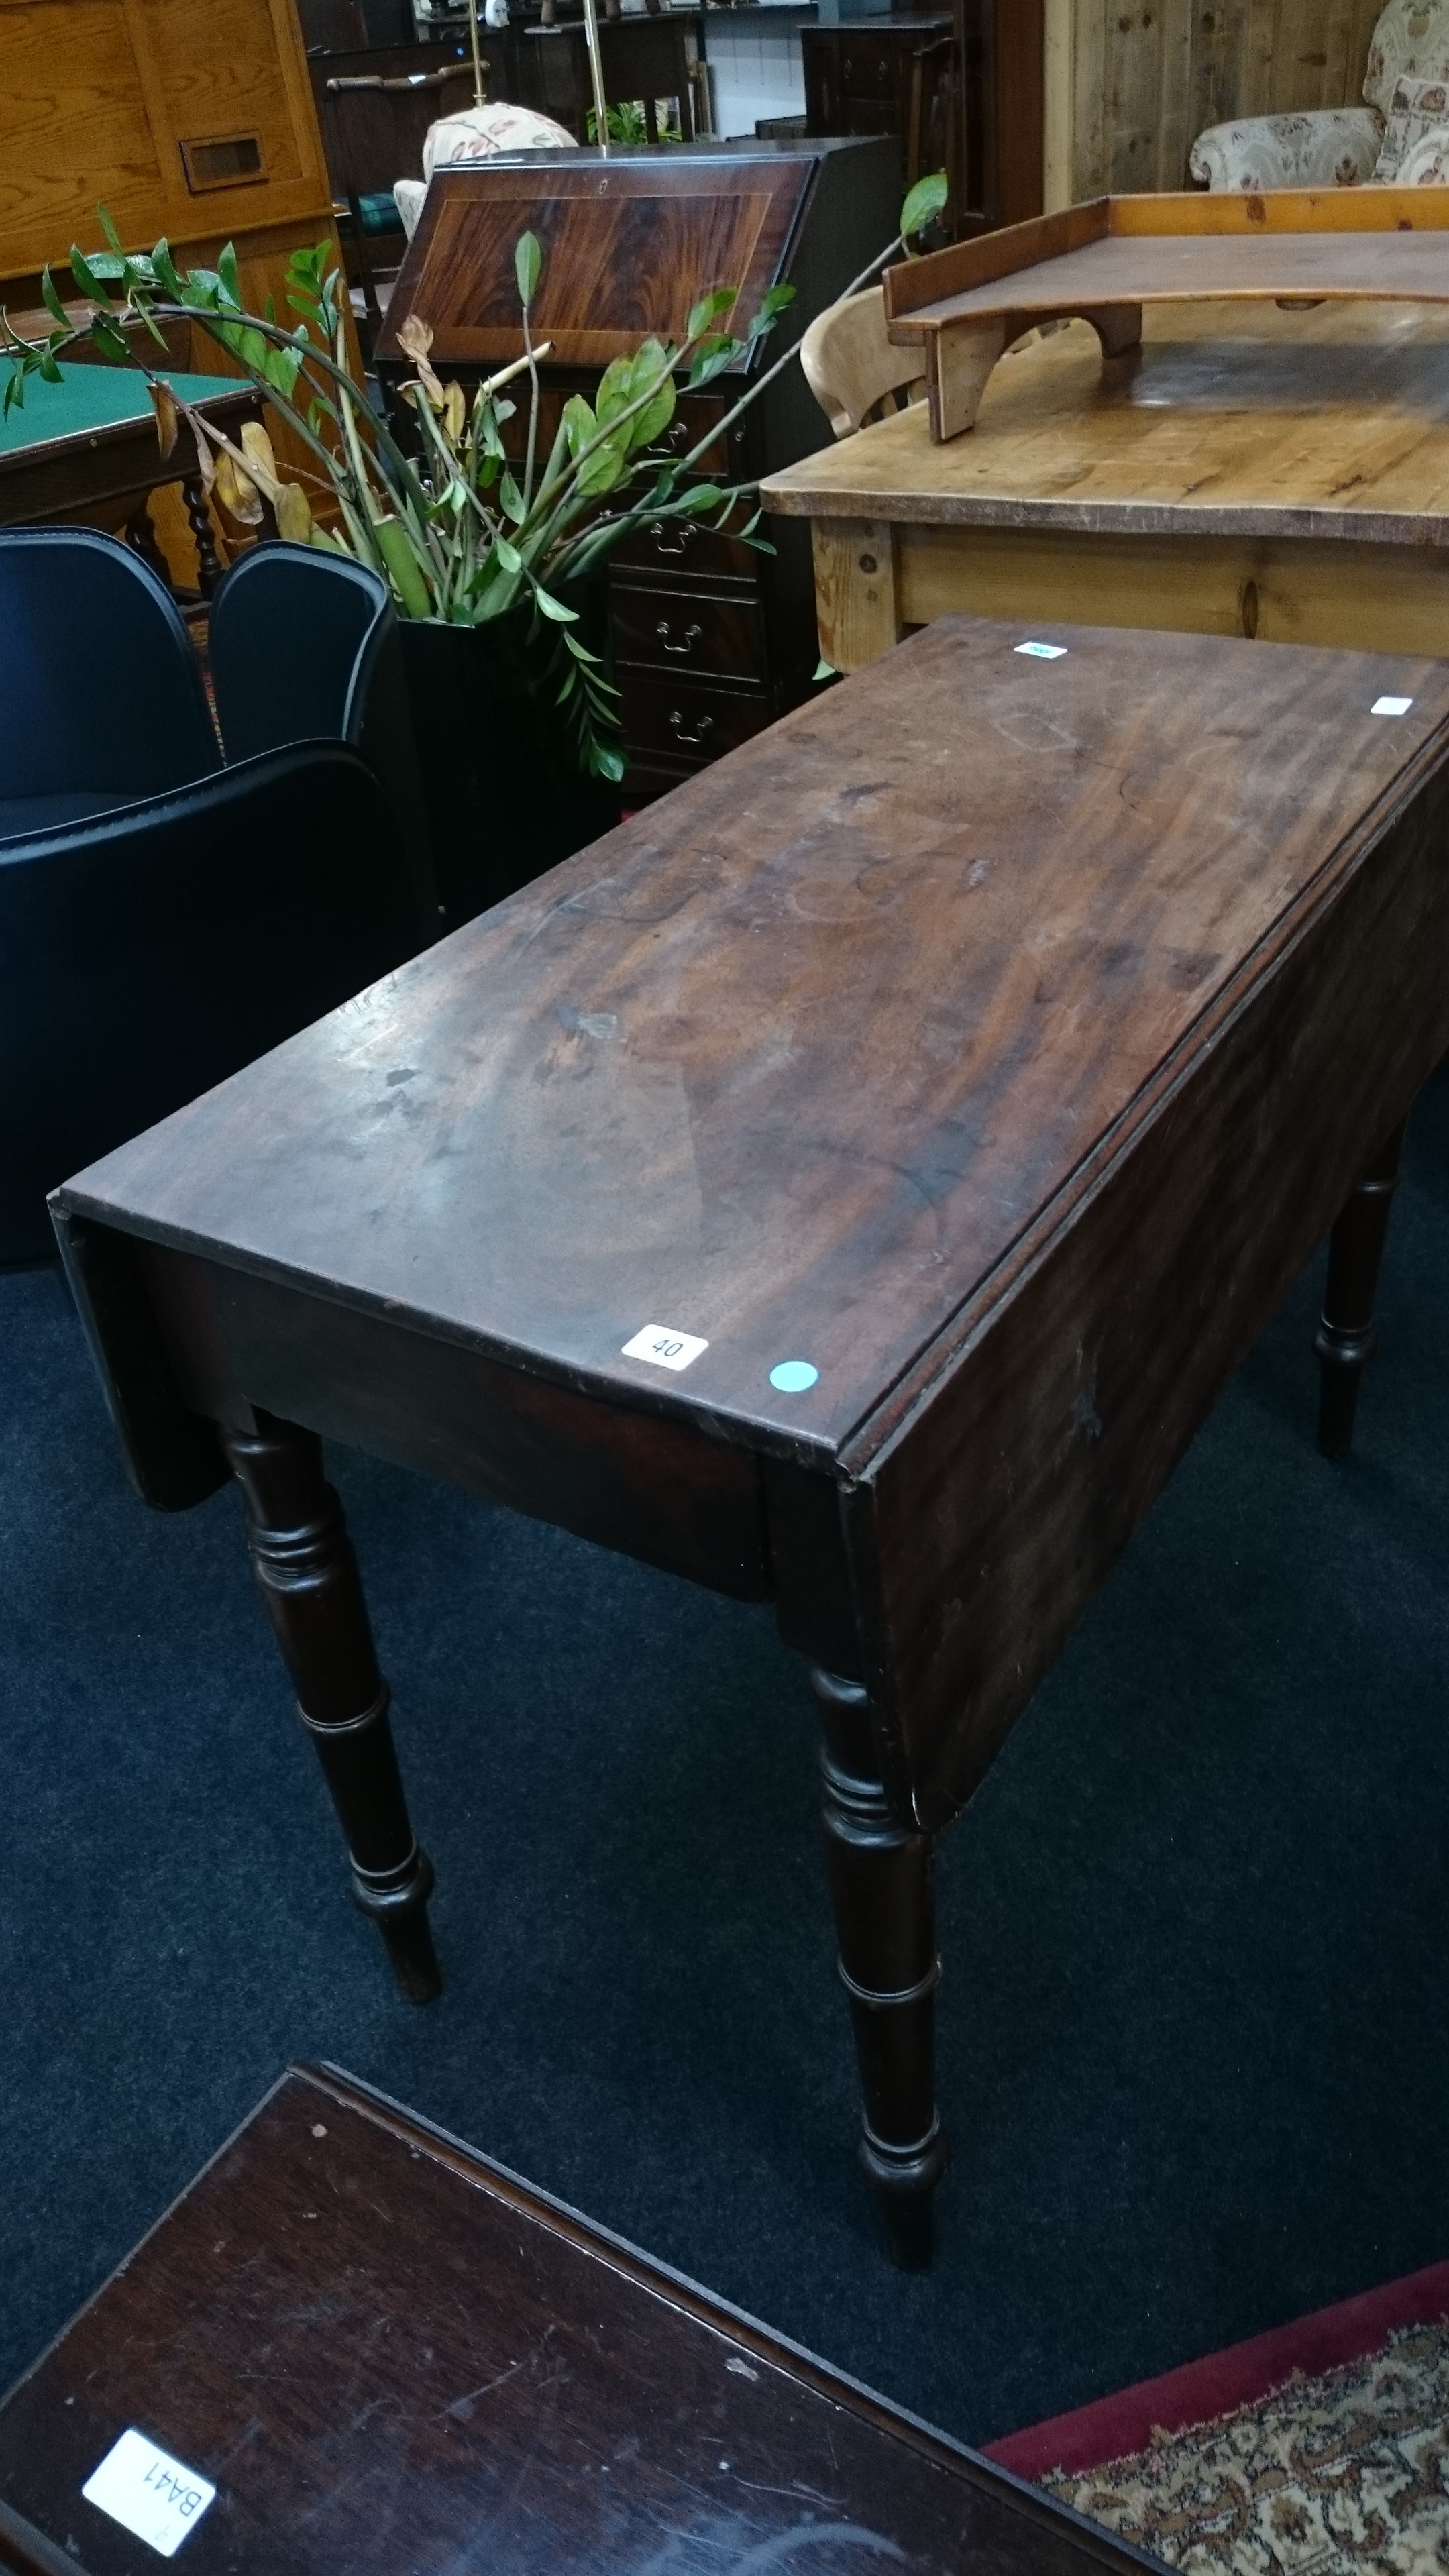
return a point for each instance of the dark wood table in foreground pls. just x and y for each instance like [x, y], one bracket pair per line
[386, 2353]
[848, 1185]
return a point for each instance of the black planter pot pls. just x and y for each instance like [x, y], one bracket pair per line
[501, 797]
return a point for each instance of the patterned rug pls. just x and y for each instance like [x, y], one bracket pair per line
[1345, 2471]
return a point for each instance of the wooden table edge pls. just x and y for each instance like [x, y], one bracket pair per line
[789, 495]
[33, 451]
[735, 1427]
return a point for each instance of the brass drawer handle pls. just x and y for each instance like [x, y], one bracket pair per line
[682, 734]
[692, 635]
[683, 529]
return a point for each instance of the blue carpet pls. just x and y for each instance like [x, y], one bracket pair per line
[1193, 2048]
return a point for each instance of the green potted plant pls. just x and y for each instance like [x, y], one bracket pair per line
[494, 565]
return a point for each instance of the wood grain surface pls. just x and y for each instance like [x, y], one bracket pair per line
[631, 250]
[389, 2354]
[1233, 420]
[678, 1082]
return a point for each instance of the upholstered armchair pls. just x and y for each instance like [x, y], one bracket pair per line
[1399, 138]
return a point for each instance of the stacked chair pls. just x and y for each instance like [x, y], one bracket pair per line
[179, 894]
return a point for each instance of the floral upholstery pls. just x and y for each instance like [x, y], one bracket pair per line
[478, 134]
[1327, 147]
[1418, 126]
[1394, 141]
[1410, 42]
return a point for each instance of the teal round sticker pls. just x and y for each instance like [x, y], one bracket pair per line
[793, 1376]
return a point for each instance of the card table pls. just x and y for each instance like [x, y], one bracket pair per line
[848, 1185]
[86, 449]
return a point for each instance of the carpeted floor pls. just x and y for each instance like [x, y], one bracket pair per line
[1193, 2047]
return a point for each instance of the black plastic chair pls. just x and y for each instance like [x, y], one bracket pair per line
[101, 700]
[148, 952]
[304, 647]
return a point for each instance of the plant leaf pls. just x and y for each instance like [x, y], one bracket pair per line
[709, 308]
[165, 268]
[511, 498]
[109, 229]
[616, 388]
[554, 608]
[923, 203]
[168, 418]
[237, 492]
[86, 278]
[713, 355]
[824, 670]
[51, 300]
[651, 360]
[527, 266]
[257, 448]
[294, 514]
[110, 343]
[605, 467]
[508, 556]
[228, 276]
[579, 424]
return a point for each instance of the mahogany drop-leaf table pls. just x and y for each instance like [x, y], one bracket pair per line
[849, 1185]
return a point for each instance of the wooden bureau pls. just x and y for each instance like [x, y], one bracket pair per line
[711, 640]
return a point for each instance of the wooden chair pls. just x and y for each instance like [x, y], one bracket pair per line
[851, 367]
[375, 130]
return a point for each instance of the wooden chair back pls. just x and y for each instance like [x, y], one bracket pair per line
[374, 127]
[851, 368]
[377, 123]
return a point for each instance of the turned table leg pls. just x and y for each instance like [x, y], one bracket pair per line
[141, 533]
[198, 519]
[882, 1888]
[1347, 1331]
[303, 1561]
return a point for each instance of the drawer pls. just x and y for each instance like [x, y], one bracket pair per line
[682, 550]
[866, 68]
[689, 721]
[676, 631]
[695, 415]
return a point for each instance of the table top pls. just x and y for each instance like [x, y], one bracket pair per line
[91, 400]
[1232, 420]
[387, 2354]
[792, 1062]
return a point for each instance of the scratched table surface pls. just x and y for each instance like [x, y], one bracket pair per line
[673, 1083]
[383, 2352]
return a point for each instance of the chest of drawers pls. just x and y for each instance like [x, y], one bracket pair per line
[710, 639]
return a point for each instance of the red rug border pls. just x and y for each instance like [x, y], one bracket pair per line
[1241, 2374]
